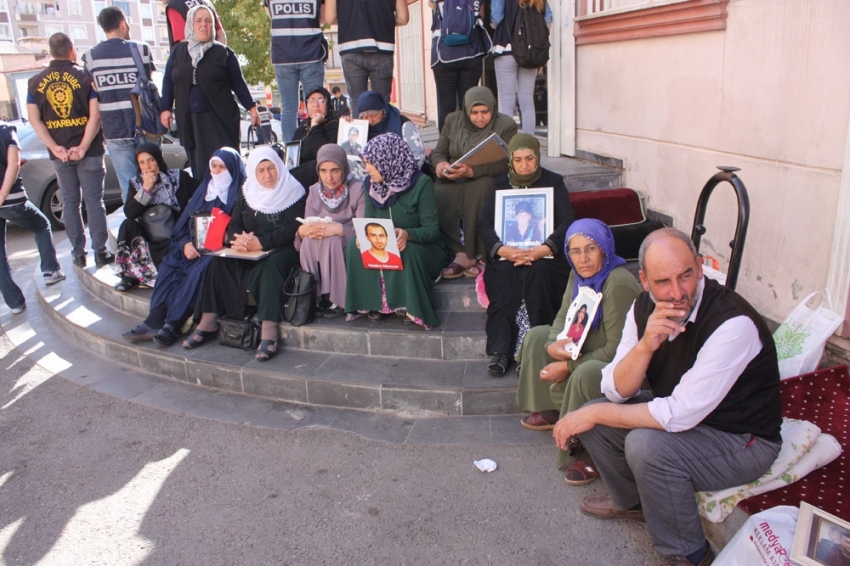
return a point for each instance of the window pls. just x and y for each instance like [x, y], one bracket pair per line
[75, 8]
[145, 11]
[163, 33]
[79, 32]
[599, 21]
[148, 34]
[51, 29]
[4, 6]
[98, 6]
[5, 31]
[124, 5]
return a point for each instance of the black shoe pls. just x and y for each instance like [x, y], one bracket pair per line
[166, 336]
[498, 365]
[140, 333]
[103, 258]
[80, 260]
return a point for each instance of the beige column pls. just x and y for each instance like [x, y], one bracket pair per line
[838, 278]
[562, 80]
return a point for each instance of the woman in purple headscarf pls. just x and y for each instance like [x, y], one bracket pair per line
[397, 190]
[551, 383]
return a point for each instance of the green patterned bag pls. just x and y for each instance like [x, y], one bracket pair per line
[801, 339]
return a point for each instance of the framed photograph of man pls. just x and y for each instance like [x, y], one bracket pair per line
[351, 136]
[579, 316]
[199, 228]
[525, 217]
[292, 157]
[377, 243]
[820, 539]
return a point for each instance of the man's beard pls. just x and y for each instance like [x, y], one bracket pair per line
[691, 304]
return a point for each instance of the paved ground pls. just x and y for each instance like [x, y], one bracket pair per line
[86, 478]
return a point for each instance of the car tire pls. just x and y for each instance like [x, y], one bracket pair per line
[51, 206]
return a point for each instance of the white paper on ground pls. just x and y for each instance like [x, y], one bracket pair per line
[485, 465]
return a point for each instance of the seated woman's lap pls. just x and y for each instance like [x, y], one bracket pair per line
[266, 280]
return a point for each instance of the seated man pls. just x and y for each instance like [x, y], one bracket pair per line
[712, 417]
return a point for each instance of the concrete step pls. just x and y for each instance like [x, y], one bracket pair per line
[395, 368]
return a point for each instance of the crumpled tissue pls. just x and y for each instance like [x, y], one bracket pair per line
[485, 465]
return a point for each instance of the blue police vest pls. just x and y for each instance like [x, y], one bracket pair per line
[111, 64]
[366, 26]
[296, 32]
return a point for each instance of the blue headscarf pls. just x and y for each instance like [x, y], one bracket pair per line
[391, 123]
[236, 168]
[598, 231]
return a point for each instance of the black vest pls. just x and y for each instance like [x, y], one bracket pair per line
[62, 93]
[296, 32]
[214, 81]
[366, 25]
[753, 405]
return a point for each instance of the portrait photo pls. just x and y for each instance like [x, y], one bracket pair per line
[352, 136]
[579, 318]
[200, 227]
[292, 158]
[524, 217]
[820, 539]
[377, 243]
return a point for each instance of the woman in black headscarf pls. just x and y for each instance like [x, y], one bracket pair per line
[384, 118]
[155, 190]
[319, 129]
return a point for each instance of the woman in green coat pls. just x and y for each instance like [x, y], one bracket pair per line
[551, 383]
[398, 191]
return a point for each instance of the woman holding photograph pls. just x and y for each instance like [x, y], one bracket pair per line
[322, 244]
[461, 190]
[551, 383]
[579, 322]
[319, 129]
[183, 268]
[140, 252]
[384, 118]
[524, 284]
[264, 218]
[397, 190]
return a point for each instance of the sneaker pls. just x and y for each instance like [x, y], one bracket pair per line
[53, 277]
[80, 261]
[103, 258]
[20, 309]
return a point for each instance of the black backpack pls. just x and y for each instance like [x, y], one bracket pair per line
[530, 38]
[457, 20]
[146, 100]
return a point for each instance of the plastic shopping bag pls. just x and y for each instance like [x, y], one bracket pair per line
[801, 339]
[764, 540]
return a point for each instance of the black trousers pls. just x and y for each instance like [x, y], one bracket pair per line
[453, 80]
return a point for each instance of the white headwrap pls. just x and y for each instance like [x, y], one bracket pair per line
[219, 184]
[197, 48]
[284, 194]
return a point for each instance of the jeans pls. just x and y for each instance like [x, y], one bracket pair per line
[83, 178]
[515, 82]
[360, 69]
[310, 75]
[661, 471]
[453, 80]
[26, 216]
[123, 156]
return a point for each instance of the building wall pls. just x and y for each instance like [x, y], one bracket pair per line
[771, 95]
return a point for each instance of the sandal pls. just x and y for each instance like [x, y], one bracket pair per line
[375, 315]
[498, 365]
[544, 420]
[127, 284]
[474, 271]
[266, 351]
[453, 271]
[199, 338]
[166, 336]
[580, 473]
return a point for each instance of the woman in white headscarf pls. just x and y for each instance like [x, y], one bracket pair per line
[265, 218]
[200, 79]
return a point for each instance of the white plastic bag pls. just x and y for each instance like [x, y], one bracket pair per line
[764, 540]
[801, 339]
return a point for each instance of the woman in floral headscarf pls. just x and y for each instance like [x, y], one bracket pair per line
[397, 190]
[551, 383]
[524, 279]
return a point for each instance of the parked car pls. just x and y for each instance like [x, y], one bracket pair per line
[40, 176]
[249, 137]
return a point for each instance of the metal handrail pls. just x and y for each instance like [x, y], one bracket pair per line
[737, 244]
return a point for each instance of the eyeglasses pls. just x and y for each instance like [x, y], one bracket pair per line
[589, 250]
[371, 113]
[317, 101]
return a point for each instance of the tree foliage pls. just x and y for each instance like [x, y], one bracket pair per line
[248, 26]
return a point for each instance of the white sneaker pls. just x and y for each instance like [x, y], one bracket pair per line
[20, 309]
[53, 277]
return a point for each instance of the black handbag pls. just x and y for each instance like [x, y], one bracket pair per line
[300, 291]
[157, 222]
[243, 333]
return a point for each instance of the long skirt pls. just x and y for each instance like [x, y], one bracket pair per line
[325, 259]
[459, 206]
[228, 282]
[210, 136]
[541, 285]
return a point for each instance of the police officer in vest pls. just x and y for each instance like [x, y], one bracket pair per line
[367, 42]
[175, 14]
[298, 54]
[111, 63]
[63, 111]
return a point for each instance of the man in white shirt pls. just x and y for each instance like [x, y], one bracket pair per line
[711, 417]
